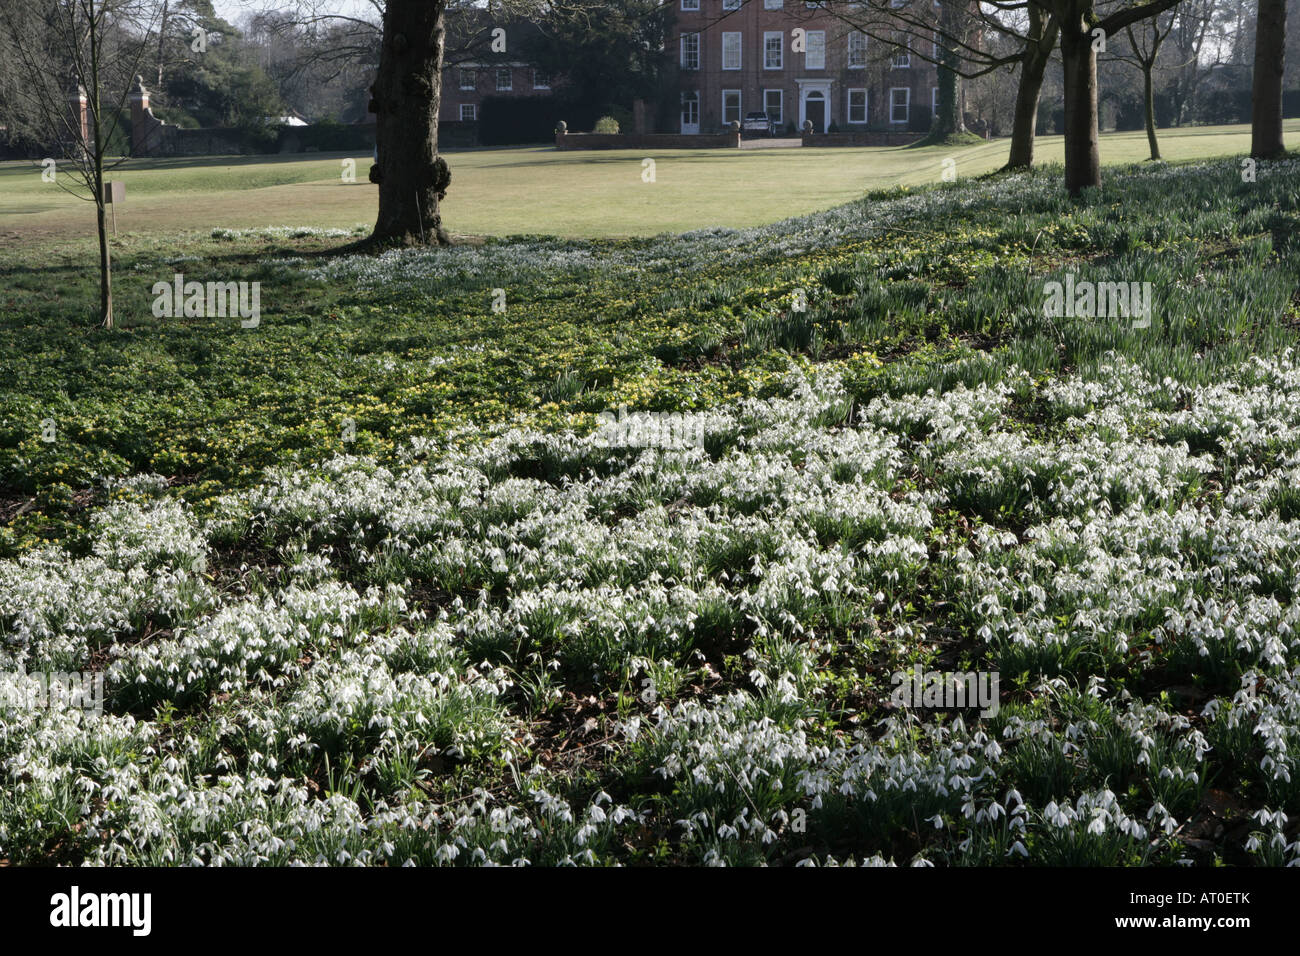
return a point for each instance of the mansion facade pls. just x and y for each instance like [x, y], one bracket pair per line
[466, 85]
[798, 63]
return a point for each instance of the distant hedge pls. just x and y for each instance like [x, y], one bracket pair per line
[920, 118]
[330, 137]
[326, 137]
[1225, 107]
[511, 120]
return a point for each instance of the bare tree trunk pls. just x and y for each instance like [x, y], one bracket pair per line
[105, 260]
[948, 120]
[1149, 92]
[1266, 95]
[105, 266]
[1082, 157]
[412, 177]
[1038, 53]
[1024, 126]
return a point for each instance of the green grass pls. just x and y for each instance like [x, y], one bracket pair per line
[540, 190]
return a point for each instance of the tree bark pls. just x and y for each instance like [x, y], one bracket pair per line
[1266, 94]
[1149, 92]
[1082, 157]
[1025, 122]
[949, 119]
[99, 146]
[105, 262]
[412, 177]
[1043, 32]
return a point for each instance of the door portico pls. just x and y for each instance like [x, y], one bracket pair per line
[819, 92]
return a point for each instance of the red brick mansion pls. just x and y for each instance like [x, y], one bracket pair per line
[739, 56]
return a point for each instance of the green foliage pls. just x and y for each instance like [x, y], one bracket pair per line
[608, 53]
[459, 632]
[221, 84]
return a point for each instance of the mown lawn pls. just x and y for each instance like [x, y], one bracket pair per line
[369, 562]
[537, 191]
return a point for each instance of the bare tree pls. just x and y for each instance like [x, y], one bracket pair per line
[1197, 32]
[77, 58]
[1039, 42]
[319, 35]
[1142, 51]
[1084, 31]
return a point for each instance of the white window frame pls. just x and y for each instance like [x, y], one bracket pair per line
[907, 104]
[848, 106]
[509, 77]
[860, 51]
[808, 63]
[768, 37]
[740, 112]
[544, 76]
[780, 104]
[473, 112]
[690, 4]
[731, 4]
[903, 55]
[735, 37]
[696, 51]
[773, 4]
[473, 79]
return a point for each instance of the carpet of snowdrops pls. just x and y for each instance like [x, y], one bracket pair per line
[536, 648]
[320, 713]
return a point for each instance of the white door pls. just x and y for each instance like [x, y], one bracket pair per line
[690, 113]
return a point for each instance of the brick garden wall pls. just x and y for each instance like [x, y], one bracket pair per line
[567, 140]
[861, 138]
